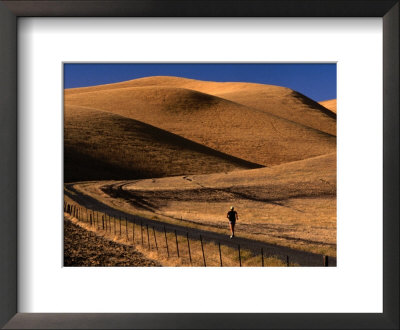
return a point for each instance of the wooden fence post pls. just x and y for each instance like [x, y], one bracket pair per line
[326, 261]
[220, 255]
[190, 254]
[141, 230]
[90, 219]
[126, 229]
[262, 257]
[240, 258]
[155, 239]
[177, 247]
[148, 237]
[202, 249]
[287, 261]
[166, 241]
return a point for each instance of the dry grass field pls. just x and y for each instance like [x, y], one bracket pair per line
[88, 245]
[182, 151]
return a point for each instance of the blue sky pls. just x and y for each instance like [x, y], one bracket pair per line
[317, 81]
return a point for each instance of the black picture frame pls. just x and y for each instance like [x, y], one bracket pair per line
[388, 10]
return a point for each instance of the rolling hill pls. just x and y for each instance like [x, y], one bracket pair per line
[279, 101]
[99, 145]
[306, 178]
[229, 127]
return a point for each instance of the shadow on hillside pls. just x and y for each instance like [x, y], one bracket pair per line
[314, 105]
[83, 167]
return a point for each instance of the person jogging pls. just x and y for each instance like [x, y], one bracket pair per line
[232, 216]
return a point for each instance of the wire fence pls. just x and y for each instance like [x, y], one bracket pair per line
[191, 249]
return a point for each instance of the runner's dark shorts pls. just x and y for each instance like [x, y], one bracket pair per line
[232, 222]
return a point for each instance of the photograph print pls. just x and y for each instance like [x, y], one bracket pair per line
[200, 164]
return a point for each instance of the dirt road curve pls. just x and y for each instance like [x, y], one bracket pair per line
[82, 249]
[296, 256]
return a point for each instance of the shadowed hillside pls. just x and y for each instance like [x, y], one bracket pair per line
[100, 145]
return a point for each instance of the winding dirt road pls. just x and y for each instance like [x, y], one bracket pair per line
[299, 257]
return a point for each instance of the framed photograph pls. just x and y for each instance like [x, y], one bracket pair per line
[242, 146]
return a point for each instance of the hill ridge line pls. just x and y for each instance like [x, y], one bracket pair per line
[177, 78]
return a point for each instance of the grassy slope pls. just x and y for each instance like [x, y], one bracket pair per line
[307, 178]
[100, 145]
[228, 127]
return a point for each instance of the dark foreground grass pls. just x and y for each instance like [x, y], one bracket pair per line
[83, 248]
